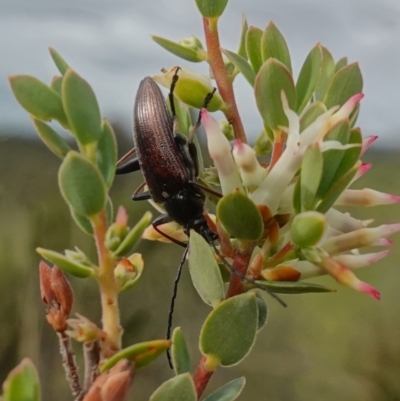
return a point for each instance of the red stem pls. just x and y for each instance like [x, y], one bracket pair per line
[222, 79]
[277, 149]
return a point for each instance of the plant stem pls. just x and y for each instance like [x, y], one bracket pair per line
[201, 377]
[222, 79]
[71, 370]
[278, 147]
[108, 289]
[91, 353]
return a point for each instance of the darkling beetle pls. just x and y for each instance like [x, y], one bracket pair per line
[169, 164]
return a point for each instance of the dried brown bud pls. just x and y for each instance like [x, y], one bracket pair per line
[57, 294]
[112, 385]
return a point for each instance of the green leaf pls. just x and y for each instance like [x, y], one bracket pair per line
[253, 47]
[272, 79]
[204, 270]
[38, 99]
[179, 50]
[262, 312]
[60, 63]
[241, 64]
[311, 172]
[332, 158]
[240, 217]
[341, 64]
[229, 332]
[242, 44]
[82, 222]
[312, 112]
[81, 108]
[134, 235]
[228, 392]
[289, 287]
[82, 185]
[22, 383]
[327, 72]
[273, 45]
[141, 354]
[56, 84]
[308, 77]
[106, 153]
[51, 139]
[74, 268]
[345, 83]
[179, 388]
[336, 189]
[179, 352]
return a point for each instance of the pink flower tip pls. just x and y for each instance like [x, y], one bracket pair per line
[367, 289]
[364, 168]
[205, 116]
[238, 145]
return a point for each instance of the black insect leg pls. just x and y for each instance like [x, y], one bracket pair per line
[175, 78]
[124, 166]
[162, 220]
[139, 196]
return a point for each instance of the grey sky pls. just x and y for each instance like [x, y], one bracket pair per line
[108, 42]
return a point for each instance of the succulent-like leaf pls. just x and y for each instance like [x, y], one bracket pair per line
[82, 222]
[241, 64]
[56, 84]
[273, 45]
[22, 383]
[179, 50]
[253, 47]
[204, 270]
[51, 139]
[134, 235]
[332, 158]
[82, 185]
[336, 189]
[242, 44]
[211, 9]
[289, 287]
[141, 354]
[229, 332]
[38, 99]
[60, 63]
[262, 312]
[179, 388]
[106, 153]
[272, 79]
[341, 63]
[81, 108]
[228, 392]
[179, 352]
[240, 217]
[327, 72]
[311, 172]
[308, 77]
[313, 111]
[345, 83]
[60, 260]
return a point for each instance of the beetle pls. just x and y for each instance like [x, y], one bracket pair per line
[169, 165]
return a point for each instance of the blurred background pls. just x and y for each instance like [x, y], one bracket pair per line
[339, 346]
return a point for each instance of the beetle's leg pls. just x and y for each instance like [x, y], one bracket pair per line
[165, 218]
[124, 167]
[142, 195]
[206, 189]
[175, 78]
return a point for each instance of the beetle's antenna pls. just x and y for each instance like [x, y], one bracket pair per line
[172, 304]
[244, 278]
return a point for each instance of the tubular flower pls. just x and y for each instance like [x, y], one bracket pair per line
[300, 192]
